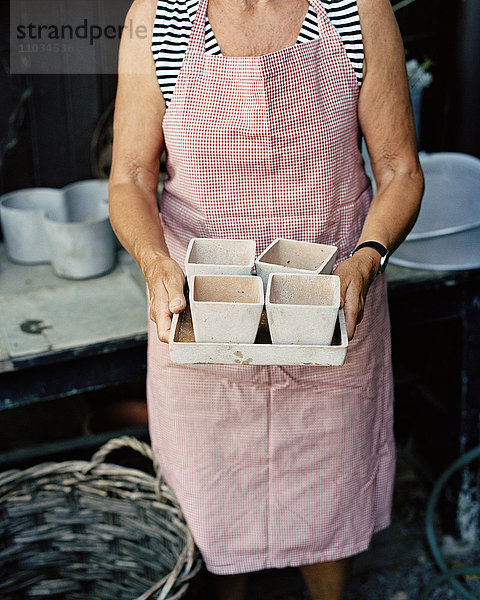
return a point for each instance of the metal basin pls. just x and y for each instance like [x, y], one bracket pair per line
[446, 236]
[453, 252]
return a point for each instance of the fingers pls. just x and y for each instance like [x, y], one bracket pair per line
[174, 286]
[352, 300]
[164, 334]
[163, 322]
[160, 313]
[166, 289]
[343, 289]
[356, 275]
[352, 308]
[163, 330]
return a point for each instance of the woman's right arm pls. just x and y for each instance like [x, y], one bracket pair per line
[137, 146]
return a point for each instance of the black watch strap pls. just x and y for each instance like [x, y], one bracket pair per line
[380, 248]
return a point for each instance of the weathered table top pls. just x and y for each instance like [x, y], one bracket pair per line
[42, 314]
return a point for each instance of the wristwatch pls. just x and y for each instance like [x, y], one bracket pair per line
[380, 248]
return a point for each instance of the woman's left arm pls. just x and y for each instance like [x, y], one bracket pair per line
[386, 119]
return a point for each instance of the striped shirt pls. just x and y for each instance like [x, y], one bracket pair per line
[174, 18]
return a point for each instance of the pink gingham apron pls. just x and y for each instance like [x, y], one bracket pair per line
[273, 466]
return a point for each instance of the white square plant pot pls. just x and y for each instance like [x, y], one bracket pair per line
[212, 256]
[292, 256]
[226, 308]
[302, 309]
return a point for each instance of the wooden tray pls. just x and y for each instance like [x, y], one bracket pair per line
[184, 349]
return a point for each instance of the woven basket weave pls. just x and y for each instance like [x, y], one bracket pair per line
[80, 530]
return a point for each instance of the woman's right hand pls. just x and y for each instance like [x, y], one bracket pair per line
[166, 283]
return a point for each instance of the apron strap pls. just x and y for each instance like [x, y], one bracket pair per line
[321, 12]
[196, 42]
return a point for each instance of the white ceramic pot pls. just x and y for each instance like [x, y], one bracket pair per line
[226, 308]
[84, 247]
[68, 227]
[208, 256]
[292, 256]
[22, 215]
[95, 190]
[302, 309]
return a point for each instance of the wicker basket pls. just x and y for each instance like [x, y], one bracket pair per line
[79, 530]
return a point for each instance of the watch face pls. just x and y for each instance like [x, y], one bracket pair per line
[384, 262]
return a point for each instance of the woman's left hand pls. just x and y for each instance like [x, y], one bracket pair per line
[356, 275]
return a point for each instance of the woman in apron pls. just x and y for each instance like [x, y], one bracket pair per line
[273, 466]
